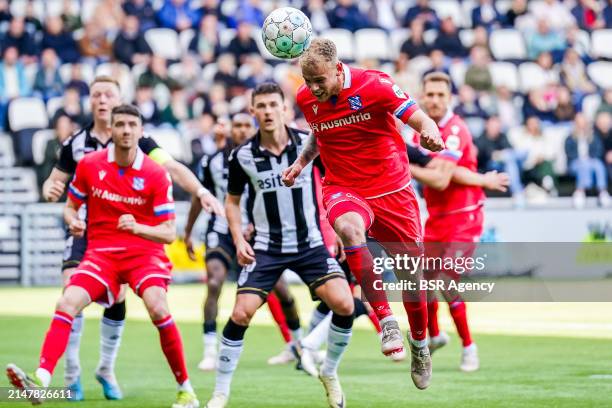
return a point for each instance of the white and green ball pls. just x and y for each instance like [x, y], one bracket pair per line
[287, 32]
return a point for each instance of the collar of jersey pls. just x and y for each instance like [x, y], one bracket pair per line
[137, 165]
[259, 149]
[446, 118]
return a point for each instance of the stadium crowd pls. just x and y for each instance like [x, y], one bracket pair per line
[542, 115]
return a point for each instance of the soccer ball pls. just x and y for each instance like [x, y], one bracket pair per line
[287, 32]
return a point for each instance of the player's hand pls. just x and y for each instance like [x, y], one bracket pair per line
[244, 253]
[77, 228]
[127, 222]
[189, 246]
[431, 140]
[248, 232]
[340, 255]
[210, 204]
[54, 191]
[292, 172]
[496, 181]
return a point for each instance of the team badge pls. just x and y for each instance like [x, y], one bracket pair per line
[398, 92]
[355, 102]
[138, 183]
[315, 108]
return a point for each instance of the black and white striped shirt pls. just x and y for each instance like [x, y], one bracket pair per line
[286, 219]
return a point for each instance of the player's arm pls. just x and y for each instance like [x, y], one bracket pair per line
[437, 175]
[309, 153]
[491, 180]
[72, 220]
[163, 233]
[428, 130]
[77, 196]
[55, 184]
[236, 181]
[196, 205]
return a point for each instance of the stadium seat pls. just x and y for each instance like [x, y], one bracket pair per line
[7, 154]
[87, 72]
[208, 73]
[18, 185]
[531, 76]
[280, 72]
[87, 9]
[185, 38]
[466, 11]
[170, 140]
[53, 104]
[457, 72]
[397, 38]
[590, 103]
[27, 113]
[18, 7]
[343, 40]
[164, 42]
[601, 73]
[430, 36]
[226, 35]
[39, 143]
[372, 43]
[449, 8]
[601, 43]
[161, 95]
[238, 104]
[467, 37]
[420, 64]
[506, 74]
[507, 44]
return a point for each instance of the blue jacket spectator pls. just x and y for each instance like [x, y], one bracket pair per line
[607, 14]
[5, 11]
[543, 40]
[347, 15]
[486, 15]
[448, 40]
[213, 7]
[18, 37]
[143, 10]
[424, 12]
[130, 46]
[415, 45]
[250, 12]
[48, 82]
[13, 81]
[178, 15]
[61, 41]
[585, 16]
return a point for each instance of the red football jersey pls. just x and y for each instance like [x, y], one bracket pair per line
[359, 143]
[143, 190]
[460, 148]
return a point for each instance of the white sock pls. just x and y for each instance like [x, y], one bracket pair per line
[185, 386]
[227, 361]
[471, 347]
[315, 319]
[316, 338]
[390, 318]
[297, 334]
[418, 343]
[337, 341]
[72, 364]
[110, 340]
[44, 376]
[210, 344]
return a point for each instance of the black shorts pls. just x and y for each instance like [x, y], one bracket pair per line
[221, 247]
[314, 266]
[73, 252]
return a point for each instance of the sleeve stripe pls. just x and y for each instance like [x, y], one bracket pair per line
[403, 108]
[164, 212]
[162, 207]
[451, 153]
[78, 194]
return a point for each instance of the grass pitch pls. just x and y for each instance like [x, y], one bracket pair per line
[541, 370]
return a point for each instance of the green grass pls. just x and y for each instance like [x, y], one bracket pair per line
[517, 371]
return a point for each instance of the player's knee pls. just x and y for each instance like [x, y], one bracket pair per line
[344, 305]
[242, 316]
[67, 305]
[350, 233]
[157, 306]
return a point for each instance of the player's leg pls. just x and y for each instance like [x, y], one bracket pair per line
[276, 310]
[153, 294]
[437, 338]
[216, 270]
[290, 317]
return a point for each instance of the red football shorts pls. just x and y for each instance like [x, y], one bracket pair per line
[392, 219]
[101, 273]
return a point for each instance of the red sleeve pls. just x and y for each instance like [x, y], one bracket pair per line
[393, 99]
[78, 187]
[163, 201]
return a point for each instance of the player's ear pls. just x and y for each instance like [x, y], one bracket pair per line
[339, 68]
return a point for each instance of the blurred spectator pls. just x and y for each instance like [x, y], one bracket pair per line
[540, 105]
[177, 111]
[549, 70]
[565, 109]
[178, 14]
[70, 17]
[315, 11]
[5, 11]
[438, 64]
[415, 45]
[478, 75]
[249, 11]
[73, 108]
[205, 42]
[217, 98]
[448, 40]
[13, 81]
[213, 8]
[33, 24]
[189, 74]
[347, 15]
[94, 45]
[540, 153]
[504, 105]
[143, 11]
[555, 12]
[579, 43]
[603, 130]
[517, 9]
[382, 15]
[63, 129]
[257, 71]
[76, 80]
[486, 15]
[60, 40]
[156, 73]
[406, 77]
[607, 14]
[496, 153]
[574, 76]
[606, 102]
[18, 37]
[470, 110]
[244, 43]
[130, 46]
[108, 17]
[544, 39]
[587, 15]
[585, 155]
[145, 102]
[48, 82]
[481, 38]
[202, 140]
[227, 75]
[425, 12]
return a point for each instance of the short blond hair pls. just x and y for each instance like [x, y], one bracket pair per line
[320, 50]
[107, 79]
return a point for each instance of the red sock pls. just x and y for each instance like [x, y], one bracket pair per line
[56, 340]
[279, 317]
[374, 321]
[172, 345]
[417, 317]
[432, 318]
[458, 312]
[361, 265]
